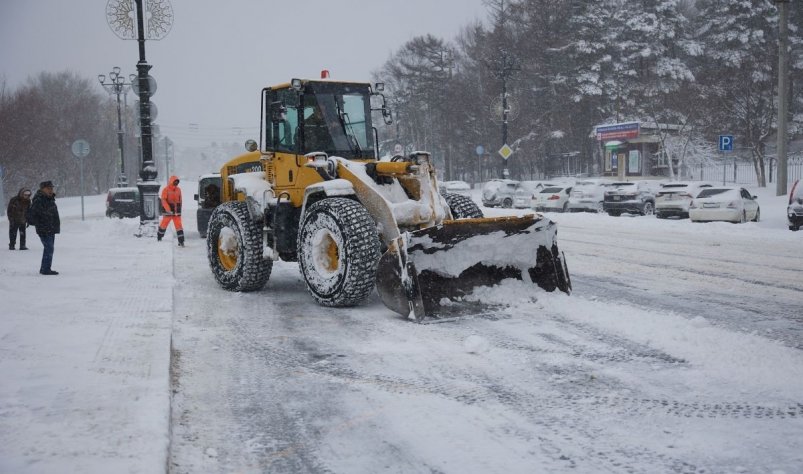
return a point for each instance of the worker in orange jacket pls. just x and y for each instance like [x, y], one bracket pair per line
[171, 204]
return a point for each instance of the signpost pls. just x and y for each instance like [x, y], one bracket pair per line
[505, 152]
[80, 149]
[480, 150]
[726, 145]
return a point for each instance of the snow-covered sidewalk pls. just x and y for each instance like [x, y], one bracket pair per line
[85, 355]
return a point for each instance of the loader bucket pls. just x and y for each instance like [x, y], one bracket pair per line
[423, 273]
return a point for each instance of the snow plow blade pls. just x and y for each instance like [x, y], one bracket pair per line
[428, 272]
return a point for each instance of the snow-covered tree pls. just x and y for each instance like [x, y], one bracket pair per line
[740, 38]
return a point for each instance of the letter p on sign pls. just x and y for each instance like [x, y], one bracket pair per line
[726, 143]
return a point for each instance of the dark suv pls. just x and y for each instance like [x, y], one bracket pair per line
[208, 197]
[122, 202]
[636, 197]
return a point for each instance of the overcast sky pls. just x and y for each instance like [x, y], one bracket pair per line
[212, 65]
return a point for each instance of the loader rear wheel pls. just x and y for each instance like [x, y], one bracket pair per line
[234, 248]
[462, 207]
[338, 251]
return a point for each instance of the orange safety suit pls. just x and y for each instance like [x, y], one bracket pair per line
[171, 204]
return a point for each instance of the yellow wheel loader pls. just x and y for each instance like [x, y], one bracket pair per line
[314, 191]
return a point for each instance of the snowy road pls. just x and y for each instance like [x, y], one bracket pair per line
[678, 352]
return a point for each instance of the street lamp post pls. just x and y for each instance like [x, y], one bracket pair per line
[116, 85]
[504, 65]
[129, 24]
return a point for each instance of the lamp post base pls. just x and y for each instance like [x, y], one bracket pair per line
[147, 229]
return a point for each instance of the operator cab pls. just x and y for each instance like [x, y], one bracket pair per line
[320, 116]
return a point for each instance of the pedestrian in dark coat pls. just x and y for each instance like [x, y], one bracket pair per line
[44, 214]
[17, 207]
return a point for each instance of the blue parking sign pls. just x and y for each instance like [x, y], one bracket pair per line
[726, 143]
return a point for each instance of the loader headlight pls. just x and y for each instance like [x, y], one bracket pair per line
[325, 166]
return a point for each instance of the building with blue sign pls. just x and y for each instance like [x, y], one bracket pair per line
[632, 149]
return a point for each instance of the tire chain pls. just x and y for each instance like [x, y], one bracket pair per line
[360, 231]
[462, 207]
[252, 277]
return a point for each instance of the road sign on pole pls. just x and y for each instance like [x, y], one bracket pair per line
[505, 151]
[80, 148]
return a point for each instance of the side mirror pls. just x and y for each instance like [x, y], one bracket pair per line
[195, 196]
[387, 116]
[379, 87]
[251, 145]
[755, 197]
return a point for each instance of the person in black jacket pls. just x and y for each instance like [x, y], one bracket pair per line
[44, 214]
[17, 207]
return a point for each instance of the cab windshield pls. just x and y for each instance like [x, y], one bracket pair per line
[335, 119]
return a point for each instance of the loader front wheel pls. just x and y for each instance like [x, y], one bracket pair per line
[234, 248]
[338, 251]
[462, 207]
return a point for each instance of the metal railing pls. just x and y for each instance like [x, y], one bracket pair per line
[744, 172]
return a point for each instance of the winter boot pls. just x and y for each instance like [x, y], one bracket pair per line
[11, 246]
[159, 234]
[180, 238]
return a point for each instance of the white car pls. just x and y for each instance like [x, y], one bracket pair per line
[499, 192]
[552, 199]
[526, 191]
[673, 198]
[724, 204]
[455, 187]
[794, 212]
[587, 195]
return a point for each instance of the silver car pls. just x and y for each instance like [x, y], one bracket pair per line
[499, 192]
[455, 187]
[526, 191]
[587, 195]
[673, 199]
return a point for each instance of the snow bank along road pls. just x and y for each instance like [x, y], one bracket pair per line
[680, 351]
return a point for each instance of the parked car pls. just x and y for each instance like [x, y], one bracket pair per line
[552, 199]
[587, 195]
[122, 202]
[794, 212]
[673, 198]
[208, 197]
[499, 192]
[635, 197]
[724, 204]
[526, 191]
[455, 187]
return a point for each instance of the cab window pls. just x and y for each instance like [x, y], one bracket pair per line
[281, 131]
